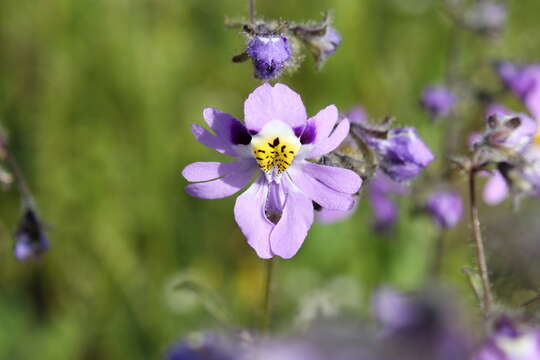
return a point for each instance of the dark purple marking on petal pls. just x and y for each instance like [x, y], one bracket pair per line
[298, 131]
[252, 132]
[239, 134]
[309, 134]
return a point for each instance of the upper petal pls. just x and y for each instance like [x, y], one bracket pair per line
[333, 141]
[227, 127]
[342, 180]
[324, 122]
[249, 213]
[291, 230]
[278, 102]
[206, 138]
[222, 187]
[320, 193]
[204, 171]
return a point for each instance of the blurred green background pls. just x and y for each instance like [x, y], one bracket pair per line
[97, 97]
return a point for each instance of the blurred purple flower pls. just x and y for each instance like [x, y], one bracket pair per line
[276, 211]
[269, 53]
[326, 44]
[381, 187]
[487, 17]
[357, 115]
[524, 82]
[510, 343]
[207, 346]
[445, 207]
[421, 326]
[438, 100]
[30, 238]
[402, 154]
[510, 131]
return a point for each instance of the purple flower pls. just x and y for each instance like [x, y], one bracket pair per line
[276, 211]
[269, 53]
[438, 100]
[445, 207]
[325, 45]
[402, 154]
[487, 17]
[208, 346]
[357, 115]
[30, 238]
[524, 82]
[420, 326]
[384, 209]
[510, 343]
[510, 131]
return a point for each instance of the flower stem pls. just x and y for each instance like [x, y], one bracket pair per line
[267, 304]
[251, 7]
[24, 190]
[487, 297]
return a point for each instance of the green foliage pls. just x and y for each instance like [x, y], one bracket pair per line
[98, 97]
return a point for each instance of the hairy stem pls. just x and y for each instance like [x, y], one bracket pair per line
[251, 7]
[267, 304]
[24, 190]
[487, 298]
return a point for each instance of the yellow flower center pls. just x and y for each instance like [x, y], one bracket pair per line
[275, 152]
[536, 138]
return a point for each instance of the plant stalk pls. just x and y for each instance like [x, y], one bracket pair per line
[487, 298]
[267, 304]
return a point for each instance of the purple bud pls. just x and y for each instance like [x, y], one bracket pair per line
[357, 115]
[438, 100]
[325, 45]
[403, 155]
[445, 207]
[269, 53]
[30, 239]
[487, 17]
[384, 209]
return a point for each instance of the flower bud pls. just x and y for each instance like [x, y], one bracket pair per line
[30, 239]
[438, 101]
[445, 207]
[270, 54]
[402, 154]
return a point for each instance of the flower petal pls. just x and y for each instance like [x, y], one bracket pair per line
[226, 126]
[325, 216]
[495, 190]
[323, 195]
[206, 138]
[324, 122]
[339, 179]
[222, 187]
[249, 213]
[267, 103]
[204, 171]
[331, 142]
[292, 228]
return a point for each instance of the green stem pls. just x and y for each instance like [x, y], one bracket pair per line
[267, 304]
[251, 7]
[438, 254]
[487, 297]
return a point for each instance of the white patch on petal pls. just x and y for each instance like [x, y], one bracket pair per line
[521, 347]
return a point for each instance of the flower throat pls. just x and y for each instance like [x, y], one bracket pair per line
[275, 153]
